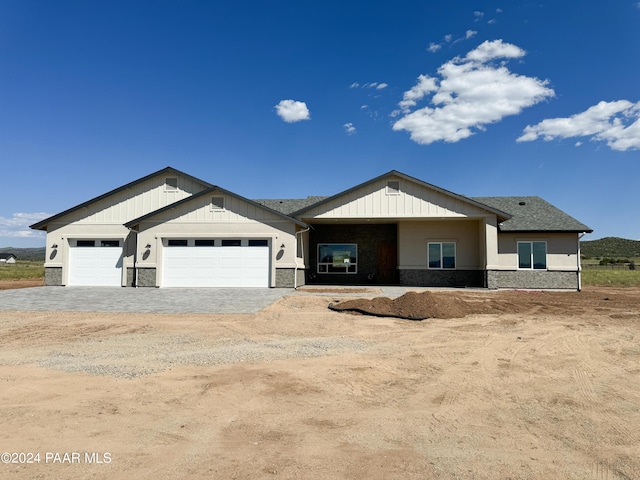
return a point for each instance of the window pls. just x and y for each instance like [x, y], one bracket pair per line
[532, 255]
[231, 243]
[204, 243]
[337, 258]
[110, 243]
[393, 187]
[86, 243]
[177, 243]
[258, 243]
[217, 203]
[441, 255]
[171, 184]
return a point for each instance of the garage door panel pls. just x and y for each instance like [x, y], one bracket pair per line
[215, 267]
[95, 266]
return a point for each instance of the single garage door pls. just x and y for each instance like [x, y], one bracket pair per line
[215, 263]
[95, 262]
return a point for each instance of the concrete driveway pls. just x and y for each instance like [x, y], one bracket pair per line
[141, 300]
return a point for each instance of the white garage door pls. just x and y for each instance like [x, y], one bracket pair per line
[95, 262]
[215, 263]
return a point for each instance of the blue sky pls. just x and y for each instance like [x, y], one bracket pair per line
[289, 99]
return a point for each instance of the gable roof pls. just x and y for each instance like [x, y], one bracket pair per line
[42, 225]
[209, 191]
[533, 214]
[394, 173]
[7, 256]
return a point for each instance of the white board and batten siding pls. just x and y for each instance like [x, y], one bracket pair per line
[413, 200]
[136, 201]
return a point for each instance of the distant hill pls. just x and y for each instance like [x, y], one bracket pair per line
[611, 247]
[33, 254]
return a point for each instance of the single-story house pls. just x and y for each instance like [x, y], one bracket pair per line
[170, 229]
[7, 258]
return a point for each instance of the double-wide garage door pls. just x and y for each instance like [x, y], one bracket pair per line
[95, 262]
[215, 263]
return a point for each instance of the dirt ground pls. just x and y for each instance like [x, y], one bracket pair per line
[526, 385]
[28, 283]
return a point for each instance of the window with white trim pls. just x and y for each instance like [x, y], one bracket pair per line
[532, 255]
[441, 255]
[337, 258]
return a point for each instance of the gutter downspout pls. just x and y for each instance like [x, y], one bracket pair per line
[295, 270]
[580, 263]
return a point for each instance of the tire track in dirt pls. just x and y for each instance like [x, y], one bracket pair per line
[626, 435]
[585, 387]
[601, 471]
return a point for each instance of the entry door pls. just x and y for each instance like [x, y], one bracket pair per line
[387, 263]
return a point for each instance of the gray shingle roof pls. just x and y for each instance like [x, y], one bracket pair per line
[533, 214]
[289, 205]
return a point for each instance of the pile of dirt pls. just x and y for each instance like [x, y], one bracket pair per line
[458, 304]
[412, 306]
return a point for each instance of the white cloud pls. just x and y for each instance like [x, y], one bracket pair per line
[448, 38]
[472, 92]
[18, 225]
[424, 86]
[354, 85]
[349, 128]
[292, 111]
[433, 47]
[470, 34]
[381, 86]
[617, 123]
[498, 10]
[478, 15]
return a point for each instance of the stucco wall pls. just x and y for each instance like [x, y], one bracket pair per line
[562, 249]
[413, 237]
